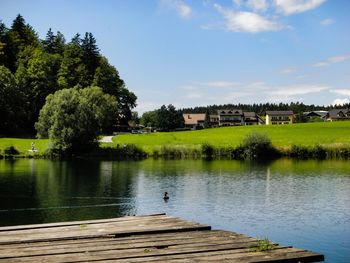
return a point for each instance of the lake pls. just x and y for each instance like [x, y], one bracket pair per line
[305, 204]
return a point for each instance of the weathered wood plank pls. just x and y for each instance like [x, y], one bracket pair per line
[147, 240]
[129, 253]
[89, 231]
[72, 223]
[155, 238]
[117, 246]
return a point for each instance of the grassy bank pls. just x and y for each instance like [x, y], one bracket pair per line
[305, 141]
[23, 145]
[328, 134]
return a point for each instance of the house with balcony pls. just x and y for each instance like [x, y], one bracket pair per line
[230, 117]
[194, 120]
[214, 120]
[251, 118]
[279, 117]
[338, 115]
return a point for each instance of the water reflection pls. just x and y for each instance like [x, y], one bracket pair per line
[301, 203]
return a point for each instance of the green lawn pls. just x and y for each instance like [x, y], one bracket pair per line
[324, 133]
[23, 145]
[305, 134]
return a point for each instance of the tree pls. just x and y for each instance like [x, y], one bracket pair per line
[18, 38]
[11, 103]
[168, 118]
[207, 123]
[149, 119]
[74, 118]
[90, 55]
[37, 78]
[72, 71]
[54, 44]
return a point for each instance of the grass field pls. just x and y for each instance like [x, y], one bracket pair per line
[23, 145]
[284, 136]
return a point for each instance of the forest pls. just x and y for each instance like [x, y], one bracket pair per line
[32, 68]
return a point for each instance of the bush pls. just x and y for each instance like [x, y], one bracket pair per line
[257, 146]
[207, 150]
[74, 118]
[300, 152]
[11, 150]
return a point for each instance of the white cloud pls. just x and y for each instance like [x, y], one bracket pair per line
[219, 84]
[327, 22]
[289, 70]
[345, 92]
[247, 21]
[332, 60]
[146, 106]
[179, 6]
[257, 5]
[298, 90]
[289, 7]
[340, 101]
[237, 2]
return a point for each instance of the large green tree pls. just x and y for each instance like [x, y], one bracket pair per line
[73, 118]
[42, 67]
[11, 103]
[37, 78]
[169, 118]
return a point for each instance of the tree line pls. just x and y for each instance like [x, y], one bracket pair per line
[261, 108]
[168, 118]
[33, 68]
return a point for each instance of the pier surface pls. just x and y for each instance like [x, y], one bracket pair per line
[152, 238]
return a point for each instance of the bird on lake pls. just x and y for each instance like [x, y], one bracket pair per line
[166, 197]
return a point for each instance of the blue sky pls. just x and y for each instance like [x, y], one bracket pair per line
[201, 52]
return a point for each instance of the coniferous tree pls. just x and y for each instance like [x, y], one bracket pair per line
[90, 55]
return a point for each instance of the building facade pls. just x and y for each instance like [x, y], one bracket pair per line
[279, 117]
[194, 120]
[338, 115]
[230, 117]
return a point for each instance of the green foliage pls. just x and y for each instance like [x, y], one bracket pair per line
[72, 71]
[257, 146]
[54, 44]
[168, 118]
[129, 151]
[207, 150]
[36, 75]
[11, 150]
[73, 118]
[207, 123]
[41, 67]
[263, 245]
[149, 119]
[11, 102]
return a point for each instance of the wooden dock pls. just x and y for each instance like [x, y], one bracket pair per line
[153, 238]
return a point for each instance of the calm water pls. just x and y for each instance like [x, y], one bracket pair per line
[304, 204]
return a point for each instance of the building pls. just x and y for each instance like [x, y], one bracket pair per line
[317, 114]
[230, 117]
[279, 117]
[338, 115]
[251, 118]
[214, 120]
[194, 120]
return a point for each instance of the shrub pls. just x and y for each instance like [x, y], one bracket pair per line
[257, 146]
[300, 152]
[74, 118]
[11, 150]
[207, 150]
[263, 245]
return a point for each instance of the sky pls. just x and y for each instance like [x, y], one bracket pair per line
[202, 52]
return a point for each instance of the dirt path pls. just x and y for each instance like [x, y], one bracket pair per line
[106, 139]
